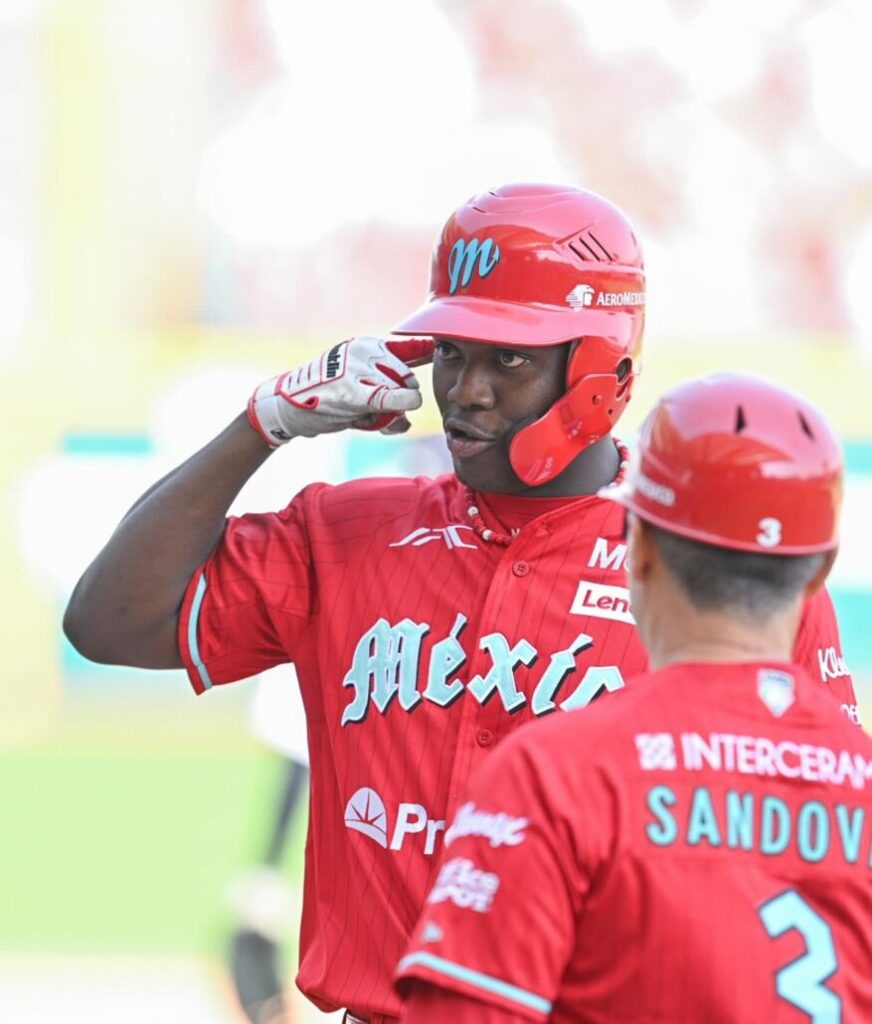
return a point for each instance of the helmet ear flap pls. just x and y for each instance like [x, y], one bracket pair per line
[575, 362]
[596, 355]
[588, 410]
[624, 369]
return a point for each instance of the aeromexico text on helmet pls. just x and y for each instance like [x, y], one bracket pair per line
[388, 665]
[586, 296]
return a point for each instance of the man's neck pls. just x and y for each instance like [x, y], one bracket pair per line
[595, 467]
[715, 637]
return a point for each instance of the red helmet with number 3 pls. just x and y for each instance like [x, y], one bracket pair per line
[545, 265]
[736, 462]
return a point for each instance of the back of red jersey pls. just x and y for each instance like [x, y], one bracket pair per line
[698, 848]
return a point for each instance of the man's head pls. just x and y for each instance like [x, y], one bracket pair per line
[550, 281]
[733, 499]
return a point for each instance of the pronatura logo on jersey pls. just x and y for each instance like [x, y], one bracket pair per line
[366, 813]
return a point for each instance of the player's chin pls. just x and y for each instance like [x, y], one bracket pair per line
[486, 473]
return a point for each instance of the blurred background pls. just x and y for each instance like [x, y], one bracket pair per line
[195, 196]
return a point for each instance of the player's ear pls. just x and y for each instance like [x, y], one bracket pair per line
[641, 548]
[817, 581]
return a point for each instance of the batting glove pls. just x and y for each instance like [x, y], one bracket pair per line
[363, 383]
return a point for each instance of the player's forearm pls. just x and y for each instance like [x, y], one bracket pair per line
[125, 607]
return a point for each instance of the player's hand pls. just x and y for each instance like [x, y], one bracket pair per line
[363, 383]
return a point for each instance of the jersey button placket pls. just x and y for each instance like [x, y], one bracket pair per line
[484, 738]
[520, 567]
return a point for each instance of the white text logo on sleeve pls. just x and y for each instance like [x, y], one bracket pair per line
[498, 828]
[467, 887]
[831, 664]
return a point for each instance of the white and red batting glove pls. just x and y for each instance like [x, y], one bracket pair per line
[363, 383]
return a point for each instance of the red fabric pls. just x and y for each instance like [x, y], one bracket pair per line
[509, 512]
[428, 1004]
[594, 876]
[396, 724]
[819, 650]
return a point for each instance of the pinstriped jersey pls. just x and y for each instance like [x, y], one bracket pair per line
[418, 648]
[696, 848]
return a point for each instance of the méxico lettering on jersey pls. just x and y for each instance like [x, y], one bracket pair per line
[387, 668]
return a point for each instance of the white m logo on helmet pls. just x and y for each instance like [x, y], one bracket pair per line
[462, 260]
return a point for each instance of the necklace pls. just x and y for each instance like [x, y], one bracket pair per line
[503, 540]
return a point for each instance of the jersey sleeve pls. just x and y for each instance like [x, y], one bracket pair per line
[251, 602]
[428, 1004]
[819, 650]
[498, 925]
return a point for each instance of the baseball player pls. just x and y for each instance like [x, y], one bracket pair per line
[697, 848]
[427, 618]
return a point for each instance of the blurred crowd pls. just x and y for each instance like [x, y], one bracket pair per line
[270, 164]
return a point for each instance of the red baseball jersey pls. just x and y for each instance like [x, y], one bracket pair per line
[418, 648]
[696, 848]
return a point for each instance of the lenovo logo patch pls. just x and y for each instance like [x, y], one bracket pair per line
[602, 602]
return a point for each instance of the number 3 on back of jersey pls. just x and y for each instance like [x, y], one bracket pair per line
[802, 982]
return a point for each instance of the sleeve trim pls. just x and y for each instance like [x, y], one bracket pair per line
[485, 982]
[193, 620]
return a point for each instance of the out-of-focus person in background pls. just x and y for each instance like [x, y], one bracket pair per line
[697, 848]
[262, 898]
[451, 610]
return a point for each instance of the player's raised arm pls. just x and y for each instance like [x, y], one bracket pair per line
[125, 608]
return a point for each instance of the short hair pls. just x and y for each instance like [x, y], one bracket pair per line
[754, 586]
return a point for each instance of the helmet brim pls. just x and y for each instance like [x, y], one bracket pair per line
[501, 323]
[624, 494]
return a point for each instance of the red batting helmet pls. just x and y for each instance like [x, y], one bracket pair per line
[544, 265]
[732, 461]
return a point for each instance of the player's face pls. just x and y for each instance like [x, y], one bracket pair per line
[486, 394]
